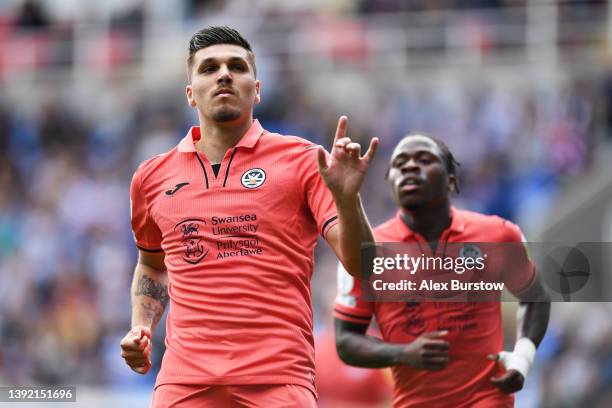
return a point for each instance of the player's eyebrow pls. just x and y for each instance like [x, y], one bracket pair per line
[416, 153]
[215, 60]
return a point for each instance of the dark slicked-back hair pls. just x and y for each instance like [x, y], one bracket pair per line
[218, 35]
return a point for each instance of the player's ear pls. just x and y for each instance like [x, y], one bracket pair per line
[189, 92]
[257, 95]
[452, 184]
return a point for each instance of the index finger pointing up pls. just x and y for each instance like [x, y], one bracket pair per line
[340, 129]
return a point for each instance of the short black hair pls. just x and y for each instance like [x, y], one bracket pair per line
[451, 164]
[218, 35]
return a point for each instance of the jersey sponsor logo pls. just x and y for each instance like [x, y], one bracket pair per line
[414, 323]
[235, 224]
[195, 251]
[236, 235]
[176, 188]
[253, 178]
[457, 316]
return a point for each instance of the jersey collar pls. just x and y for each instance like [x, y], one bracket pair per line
[250, 138]
[405, 233]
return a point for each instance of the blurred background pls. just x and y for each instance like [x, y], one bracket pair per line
[521, 91]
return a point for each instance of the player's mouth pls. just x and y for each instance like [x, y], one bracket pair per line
[224, 92]
[410, 184]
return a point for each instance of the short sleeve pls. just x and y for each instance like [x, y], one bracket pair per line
[147, 235]
[519, 271]
[317, 195]
[349, 305]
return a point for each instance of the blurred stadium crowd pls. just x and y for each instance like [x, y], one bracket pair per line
[66, 250]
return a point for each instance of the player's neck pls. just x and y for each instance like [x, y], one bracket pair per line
[429, 221]
[217, 137]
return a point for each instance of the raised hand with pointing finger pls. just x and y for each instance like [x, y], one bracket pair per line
[344, 169]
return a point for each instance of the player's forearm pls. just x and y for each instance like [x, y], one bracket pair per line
[368, 352]
[532, 320]
[149, 296]
[354, 229]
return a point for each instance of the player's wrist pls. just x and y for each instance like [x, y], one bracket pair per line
[525, 349]
[136, 327]
[522, 357]
[346, 201]
[404, 355]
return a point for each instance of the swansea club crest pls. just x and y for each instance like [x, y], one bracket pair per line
[253, 178]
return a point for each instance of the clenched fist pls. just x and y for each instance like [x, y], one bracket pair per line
[136, 349]
[427, 352]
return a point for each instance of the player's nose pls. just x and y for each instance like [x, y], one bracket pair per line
[410, 165]
[224, 75]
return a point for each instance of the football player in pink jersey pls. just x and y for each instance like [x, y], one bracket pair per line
[442, 354]
[226, 224]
